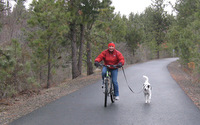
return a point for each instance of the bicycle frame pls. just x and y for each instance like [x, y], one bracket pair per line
[109, 88]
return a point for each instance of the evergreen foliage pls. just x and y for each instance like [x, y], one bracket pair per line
[185, 32]
[15, 70]
[48, 19]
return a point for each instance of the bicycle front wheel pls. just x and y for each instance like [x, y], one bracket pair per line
[106, 93]
[112, 93]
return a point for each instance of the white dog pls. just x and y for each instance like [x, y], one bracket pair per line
[147, 90]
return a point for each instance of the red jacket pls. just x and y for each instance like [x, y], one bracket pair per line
[110, 58]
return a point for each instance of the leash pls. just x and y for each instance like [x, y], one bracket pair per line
[128, 84]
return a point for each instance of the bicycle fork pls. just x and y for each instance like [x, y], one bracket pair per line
[108, 82]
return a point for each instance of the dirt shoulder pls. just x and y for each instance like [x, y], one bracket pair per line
[13, 108]
[186, 81]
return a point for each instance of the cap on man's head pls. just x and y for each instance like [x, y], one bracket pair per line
[111, 44]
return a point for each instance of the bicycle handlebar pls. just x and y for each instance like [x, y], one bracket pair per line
[114, 66]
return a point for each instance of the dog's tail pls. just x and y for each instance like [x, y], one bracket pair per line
[147, 79]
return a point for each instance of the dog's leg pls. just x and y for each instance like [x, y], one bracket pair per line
[149, 98]
[146, 98]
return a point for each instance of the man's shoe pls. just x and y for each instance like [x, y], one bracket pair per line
[116, 97]
[102, 86]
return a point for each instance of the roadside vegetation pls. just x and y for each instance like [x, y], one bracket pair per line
[57, 40]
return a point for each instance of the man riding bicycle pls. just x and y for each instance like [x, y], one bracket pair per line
[111, 56]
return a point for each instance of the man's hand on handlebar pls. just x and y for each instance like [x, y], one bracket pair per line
[119, 65]
[96, 64]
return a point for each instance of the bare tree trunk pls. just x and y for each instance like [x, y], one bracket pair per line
[82, 29]
[159, 41]
[40, 77]
[158, 54]
[89, 60]
[49, 66]
[75, 71]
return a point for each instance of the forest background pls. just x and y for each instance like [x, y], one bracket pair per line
[55, 40]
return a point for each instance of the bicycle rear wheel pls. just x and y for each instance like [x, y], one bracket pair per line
[112, 93]
[106, 93]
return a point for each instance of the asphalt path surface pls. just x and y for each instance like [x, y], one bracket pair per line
[169, 104]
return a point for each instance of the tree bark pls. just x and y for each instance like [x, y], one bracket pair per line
[82, 29]
[89, 60]
[49, 66]
[75, 71]
[158, 54]
[159, 41]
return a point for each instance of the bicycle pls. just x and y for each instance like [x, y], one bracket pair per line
[109, 87]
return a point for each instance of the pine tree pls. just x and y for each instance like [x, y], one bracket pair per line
[49, 21]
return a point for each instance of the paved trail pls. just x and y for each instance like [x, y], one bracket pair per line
[169, 106]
